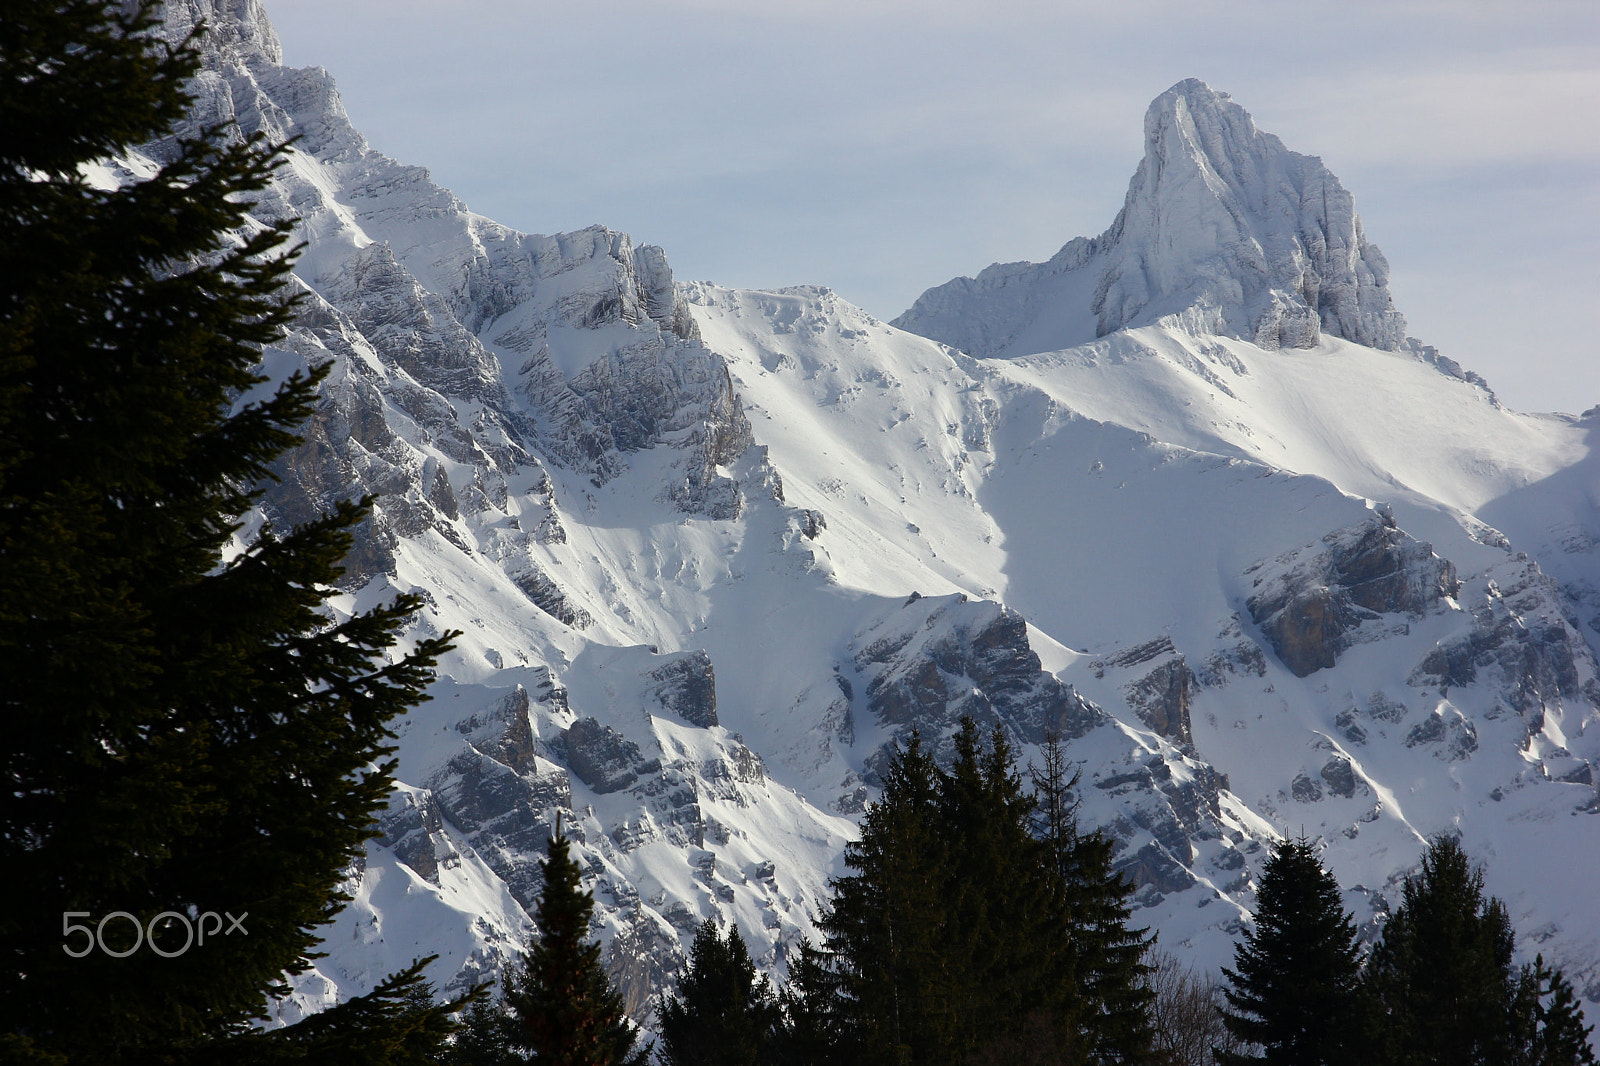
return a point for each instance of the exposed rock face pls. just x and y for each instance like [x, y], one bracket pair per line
[405, 358]
[943, 658]
[1160, 692]
[413, 829]
[459, 340]
[548, 597]
[604, 759]
[1170, 823]
[1222, 226]
[1311, 603]
[1339, 776]
[1451, 731]
[1521, 641]
[687, 686]
[501, 789]
[940, 658]
[494, 797]
[1222, 215]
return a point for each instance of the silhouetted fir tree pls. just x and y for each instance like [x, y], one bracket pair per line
[1015, 947]
[486, 1038]
[961, 937]
[888, 928]
[396, 1024]
[563, 1009]
[1548, 1020]
[816, 1029]
[1109, 958]
[187, 730]
[1295, 992]
[723, 1014]
[1441, 976]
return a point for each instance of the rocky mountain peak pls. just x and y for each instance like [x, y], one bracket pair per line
[1223, 228]
[236, 30]
[1222, 217]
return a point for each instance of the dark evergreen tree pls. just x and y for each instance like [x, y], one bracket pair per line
[887, 931]
[1019, 991]
[724, 1013]
[1295, 991]
[486, 1038]
[187, 731]
[816, 1028]
[1110, 956]
[396, 1024]
[1441, 976]
[962, 937]
[1109, 964]
[1550, 1020]
[563, 1009]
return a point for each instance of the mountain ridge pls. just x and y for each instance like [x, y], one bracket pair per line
[713, 550]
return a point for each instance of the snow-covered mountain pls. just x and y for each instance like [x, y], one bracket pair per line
[1185, 492]
[1222, 225]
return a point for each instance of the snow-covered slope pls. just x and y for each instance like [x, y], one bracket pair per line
[1348, 679]
[1259, 334]
[1185, 493]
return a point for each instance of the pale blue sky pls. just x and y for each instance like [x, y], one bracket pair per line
[883, 146]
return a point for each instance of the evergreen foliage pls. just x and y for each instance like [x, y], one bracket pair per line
[1443, 980]
[1550, 1020]
[563, 1009]
[1439, 988]
[1108, 956]
[1442, 973]
[888, 926]
[486, 1038]
[396, 1024]
[187, 730]
[1007, 907]
[1295, 991]
[958, 939]
[815, 1028]
[724, 1014]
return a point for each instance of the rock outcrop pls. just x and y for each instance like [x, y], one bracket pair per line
[943, 658]
[1521, 643]
[1311, 604]
[1160, 690]
[939, 659]
[1223, 217]
[459, 341]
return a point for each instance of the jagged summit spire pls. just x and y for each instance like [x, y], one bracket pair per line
[236, 30]
[1222, 225]
[1223, 217]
